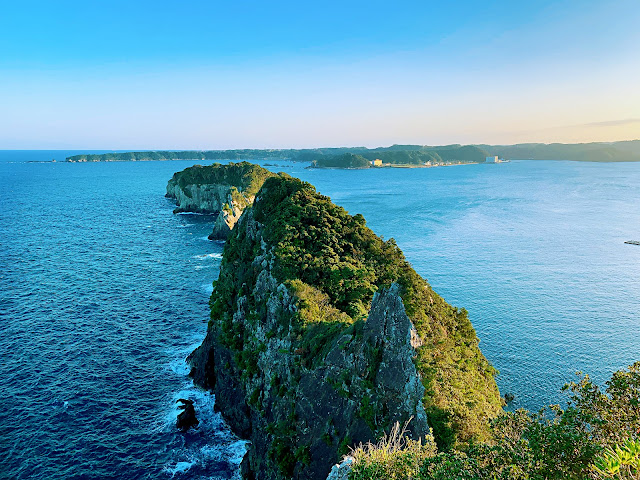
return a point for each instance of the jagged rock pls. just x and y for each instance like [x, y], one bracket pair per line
[198, 198]
[187, 418]
[227, 219]
[509, 397]
[389, 328]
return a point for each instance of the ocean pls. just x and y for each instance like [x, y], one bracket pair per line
[105, 291]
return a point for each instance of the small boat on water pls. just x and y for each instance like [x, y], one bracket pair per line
[633, 242]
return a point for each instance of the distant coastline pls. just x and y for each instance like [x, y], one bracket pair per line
[413, 155]
[399, 165]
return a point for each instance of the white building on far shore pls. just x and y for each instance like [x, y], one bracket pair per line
[493, 159]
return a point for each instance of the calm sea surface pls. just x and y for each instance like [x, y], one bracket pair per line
[104, 292]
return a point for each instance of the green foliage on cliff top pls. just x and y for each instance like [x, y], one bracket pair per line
[596, 436]
[333, 264]
[244, 176]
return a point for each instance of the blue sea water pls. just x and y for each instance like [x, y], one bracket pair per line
[105, 291]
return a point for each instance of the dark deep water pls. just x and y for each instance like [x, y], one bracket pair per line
[105, 291]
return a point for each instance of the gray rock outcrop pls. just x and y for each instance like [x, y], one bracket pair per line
[228, 217]
[222, 190]
[196, 198]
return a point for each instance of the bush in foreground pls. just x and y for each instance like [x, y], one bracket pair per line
[596, 436]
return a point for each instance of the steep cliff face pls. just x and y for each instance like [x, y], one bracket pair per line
[201, 198]
[229, 216]
[225, 190]
[322, 336]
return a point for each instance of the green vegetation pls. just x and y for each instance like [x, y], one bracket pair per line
[244, 176]
[449, 153]
[394, 457]
[332, 265]
[238, 154]
[622, 461]
[346, 160]
[282, 451]
[408, 156]
[182, 155]
[596, 436]
[297, 281]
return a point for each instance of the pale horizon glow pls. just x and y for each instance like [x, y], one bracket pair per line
[208, 76]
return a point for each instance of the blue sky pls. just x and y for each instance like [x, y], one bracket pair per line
[134, 75]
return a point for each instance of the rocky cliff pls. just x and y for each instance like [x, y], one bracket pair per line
[225, 190]
[322, 336]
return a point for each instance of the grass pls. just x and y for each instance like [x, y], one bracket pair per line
[394, 457]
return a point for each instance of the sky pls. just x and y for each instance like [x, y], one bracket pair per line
[143, 74]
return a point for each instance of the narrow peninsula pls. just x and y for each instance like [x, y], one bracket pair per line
[323, 336]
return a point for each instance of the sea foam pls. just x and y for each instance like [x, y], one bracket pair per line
[208, 255]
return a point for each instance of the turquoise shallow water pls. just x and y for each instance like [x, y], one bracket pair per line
[105, 292]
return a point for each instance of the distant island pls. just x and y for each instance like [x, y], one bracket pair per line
[625, 151]
[426, 157]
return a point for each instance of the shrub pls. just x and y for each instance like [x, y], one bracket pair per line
[554, 443]
[394, 457]
[620, 462]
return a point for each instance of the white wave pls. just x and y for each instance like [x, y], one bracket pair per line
[212, 441]
[179, 366]
[200, 267]
[232, 453]
[208, 255]
[207, 288]
[186, 225]
[180, 467]
[203, 402]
